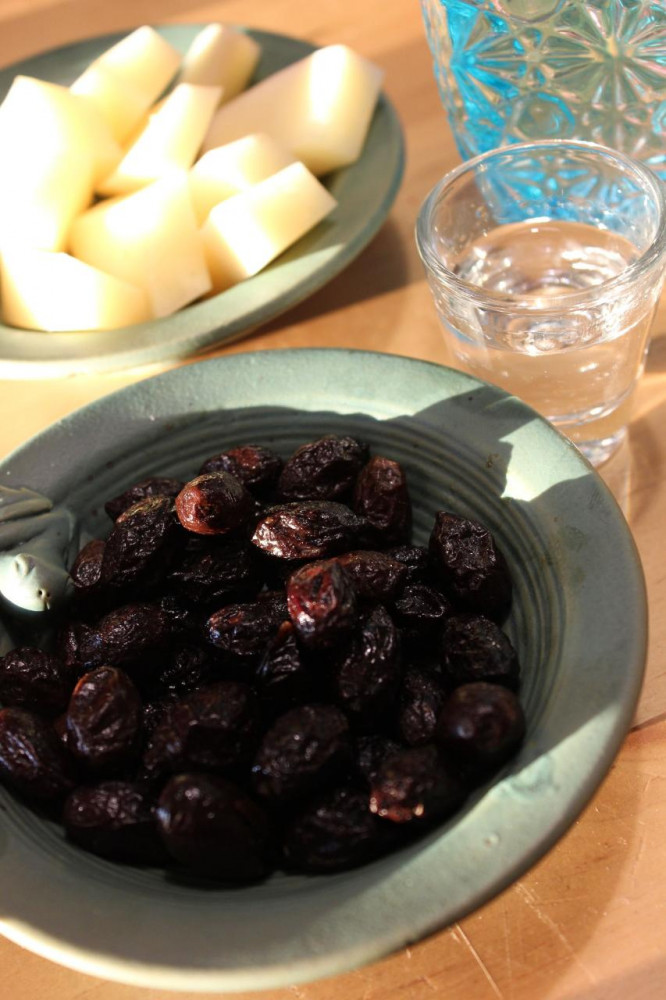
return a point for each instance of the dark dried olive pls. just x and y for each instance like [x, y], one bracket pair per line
[322, 603]
[243, 631]
[366, 678]
[415, 559]
[213, 728]
[375, 575]
[32, 758]
[474, 648]
[141, 544]
[333, 832]
[125, 635]
[322, 470]
[382, 498]
[421, 612]
[307, 529]
[212, 827]
[87, 567]
[416, 785]
[371, 752]
[114, 819]
[481, 725]
[421, 698]
[253, 465]
[184, 669]
[222, 569]
[283, 677]
[155, 486]
[104, 719]
[306, 748]
[469, 564]
[213, 504]
[31, 678]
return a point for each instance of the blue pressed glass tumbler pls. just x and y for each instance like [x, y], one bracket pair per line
[517, 70]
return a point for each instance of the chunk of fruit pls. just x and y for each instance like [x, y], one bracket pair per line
[319, 108]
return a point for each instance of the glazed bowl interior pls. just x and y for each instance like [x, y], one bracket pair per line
[578, 622]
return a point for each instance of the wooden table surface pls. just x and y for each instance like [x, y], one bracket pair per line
[589, 920]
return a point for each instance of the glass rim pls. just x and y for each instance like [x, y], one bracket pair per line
[506, 301]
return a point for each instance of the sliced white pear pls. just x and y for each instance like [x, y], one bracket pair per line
[320, 108]
[120, 103]
[42, 290]
[170, 141]
[226, 170]
[150, 239]
[143, 59]
[244, 233]
[221, 56]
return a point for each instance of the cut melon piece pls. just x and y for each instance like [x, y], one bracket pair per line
[221, 56]
[320, 108]
[227, 170]
[244, 233]
[120, 103]
[170, 141]
[37, 114]
[55, 292]
[150, 239]
[143, 59]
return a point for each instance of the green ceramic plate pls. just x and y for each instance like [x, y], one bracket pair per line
[365, 192]
[578, 620]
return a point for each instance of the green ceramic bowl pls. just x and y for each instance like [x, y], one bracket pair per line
[364, 191]
[578, 620]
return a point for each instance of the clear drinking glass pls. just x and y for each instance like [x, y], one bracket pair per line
[546, 263]
[516, 70]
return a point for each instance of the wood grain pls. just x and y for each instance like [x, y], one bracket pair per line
[587, 921]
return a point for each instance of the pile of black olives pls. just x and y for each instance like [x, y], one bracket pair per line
[259, 670]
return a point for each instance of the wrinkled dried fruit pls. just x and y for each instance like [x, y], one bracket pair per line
[372, 750]
[335, 831]
[243, 631]
[210, 826]
[382, 498]
[32, 758]
[421, 698]
[322, 470]
[307, 529]
[474, 648]
[366, 678]
[481, 725]
[115, 820]
[141, 544]
[222, 570]
[253, 465]
[33, 679]
[415, 559]
[421, 612]
[104, 719]
[283, 676]
[125, 635]
[415, 784]
[213, 504]
[306, 748]
[376, 576]
[470, 566]
[156, 486]
[213, 728]
[322, 603]
[87, 567]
